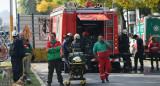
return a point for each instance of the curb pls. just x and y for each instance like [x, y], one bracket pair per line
[39, 79]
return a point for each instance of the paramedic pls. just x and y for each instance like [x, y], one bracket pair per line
[54, 59]
[153, 49]
[139, 53]
[100, 50]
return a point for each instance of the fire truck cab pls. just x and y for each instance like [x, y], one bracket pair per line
[68, 18]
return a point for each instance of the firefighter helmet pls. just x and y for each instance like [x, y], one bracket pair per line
[85, 33]
[15, 33]
[77, 59]
[76, 36]
[69, 34]
[125, 31]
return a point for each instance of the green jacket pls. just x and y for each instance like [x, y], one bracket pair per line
[53, 49]
[28, 48]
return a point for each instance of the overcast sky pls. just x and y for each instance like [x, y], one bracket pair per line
[5, 5]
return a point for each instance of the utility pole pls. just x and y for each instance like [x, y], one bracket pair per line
[11, 19]
[16, 15]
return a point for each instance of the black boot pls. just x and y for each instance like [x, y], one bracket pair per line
[152, 68]
[107, 79]
[61, 84]
[134, 69]
[49, 84]
[157, 68]
[141, 69]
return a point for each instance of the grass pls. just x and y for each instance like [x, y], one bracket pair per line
[34, 80]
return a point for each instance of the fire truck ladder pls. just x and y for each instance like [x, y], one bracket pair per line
[110, 23]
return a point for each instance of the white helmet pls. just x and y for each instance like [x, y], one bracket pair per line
[77, 59]
[76, 36]
[69, 34]
[124, 31]
[15, 33]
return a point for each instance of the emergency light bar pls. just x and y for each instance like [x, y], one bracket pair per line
[89, 9]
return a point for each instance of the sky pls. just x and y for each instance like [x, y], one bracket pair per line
[5, 5]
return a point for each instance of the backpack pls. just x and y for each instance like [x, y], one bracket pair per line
[13, 49]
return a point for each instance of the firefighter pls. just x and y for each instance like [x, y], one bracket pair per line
[139, 53]
[27, 59]
[87, 49]
[124, 49]
[100, 50]
[87, 41]
[153, 49]
[76, 45]
[17, 53]
[54, 59]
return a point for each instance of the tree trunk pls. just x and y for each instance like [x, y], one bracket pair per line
[123, 20]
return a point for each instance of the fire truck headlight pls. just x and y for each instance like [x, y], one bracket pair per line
[115, 47]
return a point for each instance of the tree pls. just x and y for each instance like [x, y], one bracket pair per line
[28, 7]
[145, 6]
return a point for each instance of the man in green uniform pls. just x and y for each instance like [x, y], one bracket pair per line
[100, 50]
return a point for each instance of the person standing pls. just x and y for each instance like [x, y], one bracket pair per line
[124, 49]
[87, 41]
[100, 50]
[17, 53]
[27, 59]
[87, 49]
[139, 53]
[54, 59]
[66, 50]
[153, 49]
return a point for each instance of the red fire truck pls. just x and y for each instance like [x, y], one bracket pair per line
[68, 18]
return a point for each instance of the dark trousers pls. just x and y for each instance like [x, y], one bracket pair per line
[154, 55]
[66, 64]
[55, 64]
[88, 62]
[127, 60]
[139, 55]
[17, 69]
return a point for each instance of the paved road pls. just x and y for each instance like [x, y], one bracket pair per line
[116, 79]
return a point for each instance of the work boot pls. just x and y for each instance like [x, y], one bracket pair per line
[29, 82]
[61, 84]
[103, 81]
[49, 84]
[107, 79]
[157, 68]
[135, 69]
[152, 68]
[141, 69]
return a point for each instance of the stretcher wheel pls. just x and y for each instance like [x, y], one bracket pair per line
[68, 83]
[83, 83]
